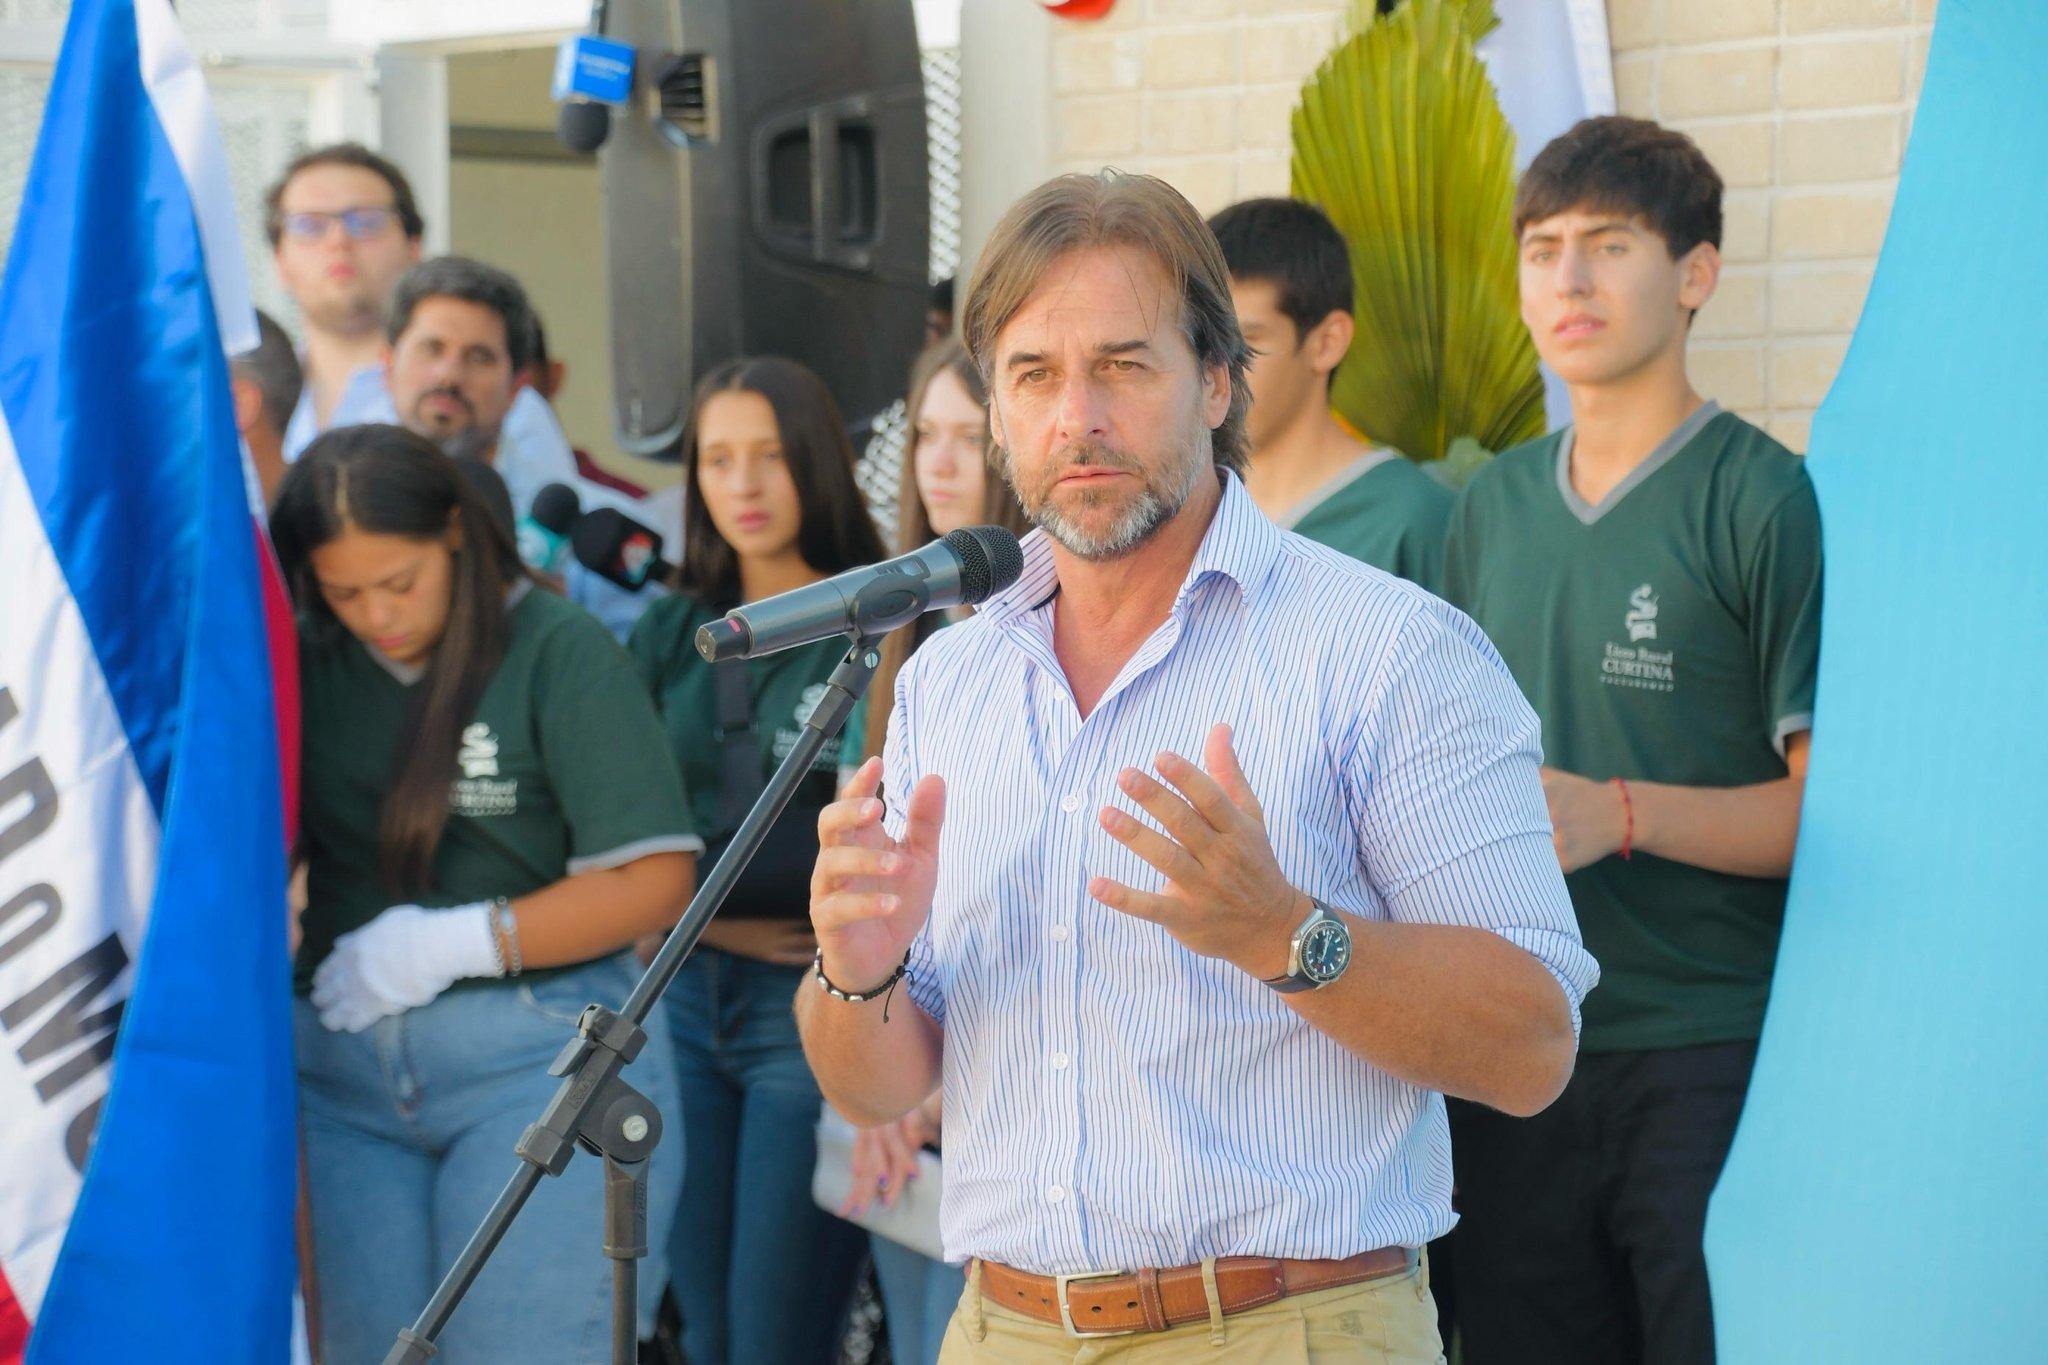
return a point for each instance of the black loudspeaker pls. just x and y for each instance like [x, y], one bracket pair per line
[764, 195]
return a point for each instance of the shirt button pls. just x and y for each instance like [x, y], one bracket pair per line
[1055, 1193]
[1070, 803]
[1059, 933]
[1059, 1061]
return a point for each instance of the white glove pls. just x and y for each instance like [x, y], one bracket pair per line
[401, 960]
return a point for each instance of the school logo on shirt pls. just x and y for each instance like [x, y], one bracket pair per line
[479, 756]
[1635, 664]
[1641, 619]
[479, 791]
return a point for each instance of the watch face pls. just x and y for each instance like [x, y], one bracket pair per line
[1325, 951]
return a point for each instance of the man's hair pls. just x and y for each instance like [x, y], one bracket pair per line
[539, 354]
[1112, 208]
[273, 367]
[345, 154]
[1627, 166]
[458, 277]
[1295, 248]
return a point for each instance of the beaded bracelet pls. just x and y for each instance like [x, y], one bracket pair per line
[507, 926]
[885, 990]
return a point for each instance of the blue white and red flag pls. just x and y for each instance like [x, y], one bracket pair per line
[147, 723]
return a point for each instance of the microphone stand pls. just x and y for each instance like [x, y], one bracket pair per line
[593, 1108]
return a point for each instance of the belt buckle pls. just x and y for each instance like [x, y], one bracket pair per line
[1060, 1284]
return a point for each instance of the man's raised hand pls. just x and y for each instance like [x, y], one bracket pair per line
[1224, 895]
[870, 894]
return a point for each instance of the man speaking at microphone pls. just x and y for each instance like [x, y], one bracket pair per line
[1210, 859]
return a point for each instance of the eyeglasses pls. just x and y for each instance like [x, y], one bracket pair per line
[360, 224]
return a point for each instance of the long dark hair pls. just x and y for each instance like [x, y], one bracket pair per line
[834, 531]
[388, 481]
[914, 524]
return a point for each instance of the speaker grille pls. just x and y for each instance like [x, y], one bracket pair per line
[686, 99]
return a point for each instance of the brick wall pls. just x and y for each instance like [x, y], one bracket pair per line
[1803, 105]
[1197, 91]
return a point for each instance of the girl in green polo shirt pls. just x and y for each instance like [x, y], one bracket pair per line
[760, 1272]
[948, 483]
[489, 818]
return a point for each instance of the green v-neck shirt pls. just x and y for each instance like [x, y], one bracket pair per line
[1669, 634]
[563, 768]
[1385, 511]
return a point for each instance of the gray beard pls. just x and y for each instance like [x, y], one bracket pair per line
[1144, 516]
[1150, 510]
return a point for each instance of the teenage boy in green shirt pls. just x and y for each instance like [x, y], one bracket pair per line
[1652, 576]
[1290, 277]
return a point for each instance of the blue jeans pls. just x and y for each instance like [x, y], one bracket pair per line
[918, 1299]
[761, 1273]
[409, 1131]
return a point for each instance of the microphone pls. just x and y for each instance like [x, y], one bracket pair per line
[543, 532]
[593, 76]
[960, 571]
[619, 549]
[582, 125]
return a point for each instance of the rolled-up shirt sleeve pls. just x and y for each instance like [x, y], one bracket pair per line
[1441, 776]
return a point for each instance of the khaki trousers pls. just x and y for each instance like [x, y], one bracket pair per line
[1390, 1321]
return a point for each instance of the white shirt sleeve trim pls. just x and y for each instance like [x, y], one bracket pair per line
[626, 853]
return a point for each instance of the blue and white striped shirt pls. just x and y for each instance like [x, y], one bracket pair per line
[1113, 1100]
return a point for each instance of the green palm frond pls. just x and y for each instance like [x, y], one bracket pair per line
[1477, 15]
[1400, 139]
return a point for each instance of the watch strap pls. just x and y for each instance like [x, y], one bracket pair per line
[1291, 984]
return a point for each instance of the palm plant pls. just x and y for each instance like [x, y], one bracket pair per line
[1400, 139]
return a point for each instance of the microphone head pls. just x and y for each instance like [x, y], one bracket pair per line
[556, 507]
[582, 125]
[726, 638]
[990, 560]
[614, 546]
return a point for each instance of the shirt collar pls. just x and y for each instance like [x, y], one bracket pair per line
[1240, 545]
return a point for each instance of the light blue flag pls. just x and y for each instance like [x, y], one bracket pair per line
[1886, 1201]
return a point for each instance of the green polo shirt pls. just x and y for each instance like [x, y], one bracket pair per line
[785, 688]
[1382, 509]
[562, 770]
[1669, 634]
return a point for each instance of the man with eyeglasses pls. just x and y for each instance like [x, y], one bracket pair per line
[343, 228]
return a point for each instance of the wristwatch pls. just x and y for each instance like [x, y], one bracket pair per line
[1318, 953]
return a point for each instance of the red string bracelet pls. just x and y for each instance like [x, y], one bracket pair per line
[1628, 811]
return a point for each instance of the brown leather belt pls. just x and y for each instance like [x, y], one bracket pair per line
[1114, 1303]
